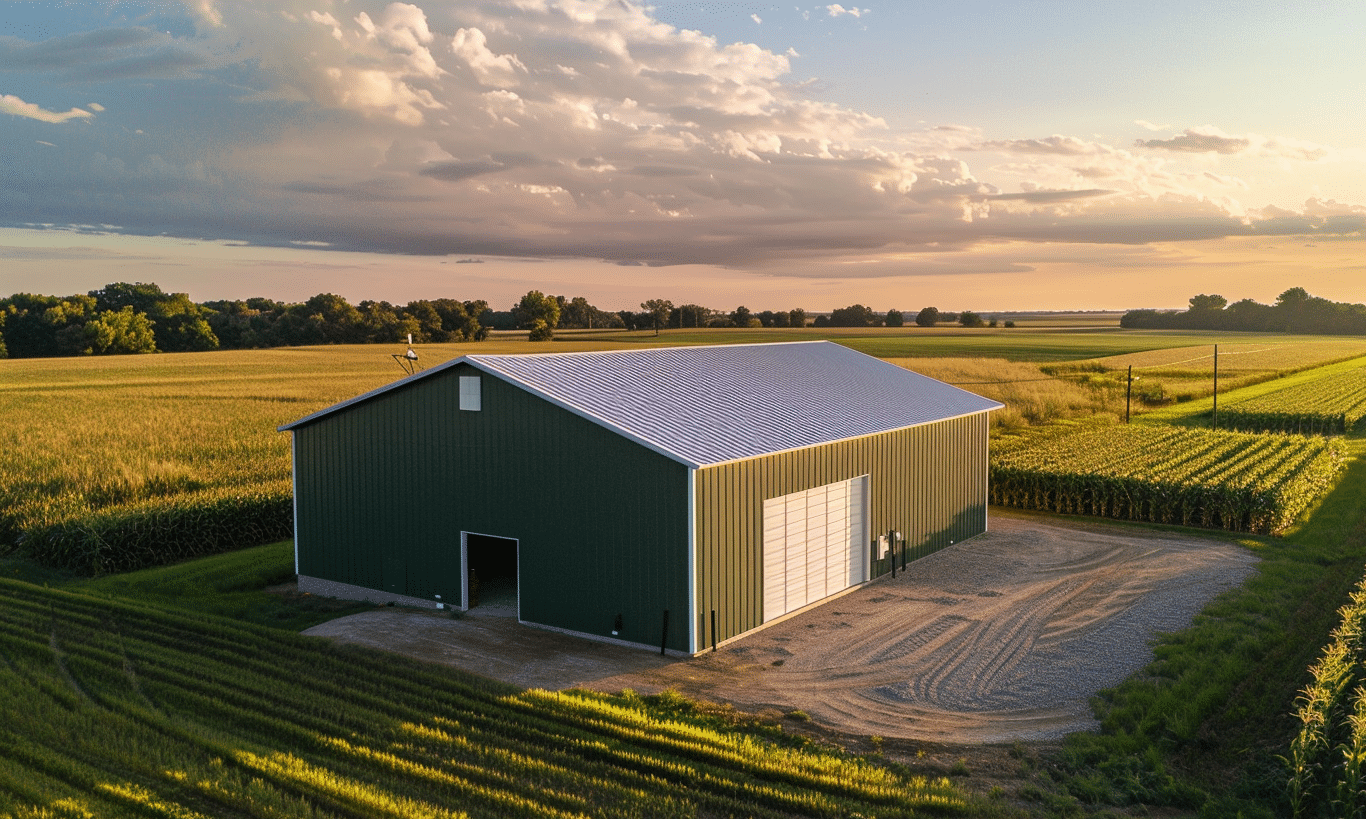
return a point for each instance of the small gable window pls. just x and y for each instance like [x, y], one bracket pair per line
[469, 393]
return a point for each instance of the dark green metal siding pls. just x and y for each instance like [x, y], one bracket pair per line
[928, 482]
[384, 488]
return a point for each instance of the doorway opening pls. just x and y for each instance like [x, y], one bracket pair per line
[490, 572]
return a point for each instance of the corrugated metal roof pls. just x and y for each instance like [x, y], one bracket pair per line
[710, 405]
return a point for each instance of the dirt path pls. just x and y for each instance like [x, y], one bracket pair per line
[1005, 636]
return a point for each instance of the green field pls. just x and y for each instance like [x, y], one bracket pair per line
[1331, 405]
[1177, 475]
[114, 708]
[106, 689]
[110, 451]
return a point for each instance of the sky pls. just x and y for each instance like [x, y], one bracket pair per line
[968, 155]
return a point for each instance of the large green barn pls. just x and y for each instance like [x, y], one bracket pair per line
[673, 497]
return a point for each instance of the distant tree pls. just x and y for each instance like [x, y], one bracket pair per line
[689, 315]
[1292, 297]
[740, 316]
[579, 314]
[180, 325]
[630, 320]
[796, 317]
[41, 326]
[927, 317]
[967, 318]
[659, 310]
[991, 323]
[540, 331]
[821, 321]
[1010, 323]
[855, 315]
[122, 331]
[384, 324]
[895, 318]
[538, 313]
[1203, 303]
[332, 318]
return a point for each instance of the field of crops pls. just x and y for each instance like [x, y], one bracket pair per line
[1219, 480]
[1328, 406]
[116, 462]
[111, 708]
[1178, 374]
[1328, 755]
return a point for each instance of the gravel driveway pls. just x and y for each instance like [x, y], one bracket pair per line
[1004, 636]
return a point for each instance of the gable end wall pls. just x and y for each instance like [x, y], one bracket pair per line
[385, 487]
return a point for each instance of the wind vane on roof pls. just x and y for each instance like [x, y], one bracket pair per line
[408, 360]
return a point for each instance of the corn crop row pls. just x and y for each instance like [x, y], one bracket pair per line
[113, 708]
[151, 533]
[1328, 406]
[1328, 755]
[1216, 480]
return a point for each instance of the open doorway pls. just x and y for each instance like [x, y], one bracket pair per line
[490, 573]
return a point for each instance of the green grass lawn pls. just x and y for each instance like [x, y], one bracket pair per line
[243, 585]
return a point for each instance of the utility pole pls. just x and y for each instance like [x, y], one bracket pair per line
[1128, 393]
[1216, 386]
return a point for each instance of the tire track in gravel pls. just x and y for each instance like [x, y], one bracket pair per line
[1004, 636]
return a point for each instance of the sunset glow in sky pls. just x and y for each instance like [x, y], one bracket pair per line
[970, 155]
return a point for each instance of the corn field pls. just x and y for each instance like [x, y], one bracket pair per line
[1176, 475]
[1328, 755]
[1328, 406]
[113, 708]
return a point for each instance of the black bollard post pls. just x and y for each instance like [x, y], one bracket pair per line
[664, 638]
[713, 631]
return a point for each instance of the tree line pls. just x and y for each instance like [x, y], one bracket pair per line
[141, 318]
[122, 318]
[1295, 311]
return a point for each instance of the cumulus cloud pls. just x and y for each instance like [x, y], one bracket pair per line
[10, 104]
[836, 10]
[576, 128]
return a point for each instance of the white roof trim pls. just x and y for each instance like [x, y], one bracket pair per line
[851, 396]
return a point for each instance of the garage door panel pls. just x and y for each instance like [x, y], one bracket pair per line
[813, 545]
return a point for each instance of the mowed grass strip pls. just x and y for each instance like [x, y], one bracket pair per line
[1239, 482]
[115, 708]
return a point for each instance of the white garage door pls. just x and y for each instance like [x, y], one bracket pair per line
[815, 545]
